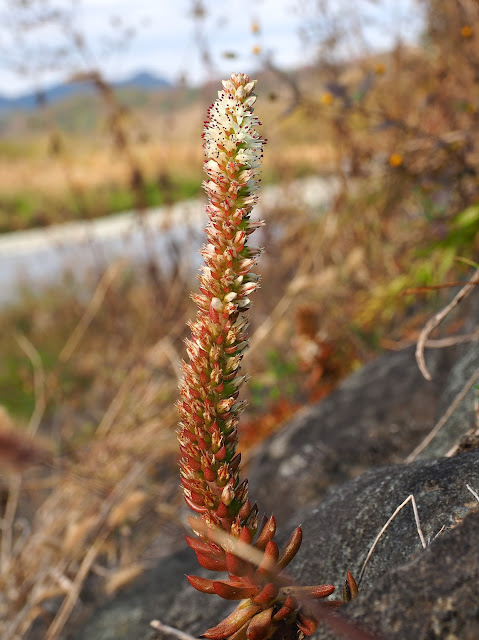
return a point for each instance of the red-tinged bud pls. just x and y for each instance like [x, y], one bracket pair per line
[243, 513]
[209, 474]
[222, 511]
[252, 226]
[213, 314]
[220, 455]
[248, 288]
[189, 435]
[198, 419]
[228, 493]
[192, 463]
[202, 444]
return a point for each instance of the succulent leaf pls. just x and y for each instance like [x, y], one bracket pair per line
[233, 622]
[260, 625]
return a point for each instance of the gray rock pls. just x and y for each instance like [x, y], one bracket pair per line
[376, 417]
[337, 536]
[339, 532]
[433, 597]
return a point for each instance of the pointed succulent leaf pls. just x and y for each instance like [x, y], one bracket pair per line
[237, 566]
[306, 623]
[233, 622]
[291, 548]
[204, 547]
[267, 533]
[230, 592]
[268, 566]
[211, 562]
[290, 605]
[267, 594]
[260, 625]
[350, 588]
[316, 592]
[201, 584]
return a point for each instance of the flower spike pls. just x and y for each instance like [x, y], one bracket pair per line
[209, 407]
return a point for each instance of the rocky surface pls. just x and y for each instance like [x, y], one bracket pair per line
[376, 417]
[432, 597]
[337, 536]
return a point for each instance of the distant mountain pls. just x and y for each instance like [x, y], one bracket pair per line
[142, 80]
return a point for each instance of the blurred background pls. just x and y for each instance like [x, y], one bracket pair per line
[370, 193]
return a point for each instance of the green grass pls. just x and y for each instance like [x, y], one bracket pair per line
[33, 209]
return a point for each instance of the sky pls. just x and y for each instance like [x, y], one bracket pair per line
[168, 42]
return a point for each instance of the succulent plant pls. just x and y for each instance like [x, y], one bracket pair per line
[271, 605]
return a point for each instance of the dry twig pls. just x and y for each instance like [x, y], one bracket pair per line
[411, 499]
[170, 631]
[474, 493]
[436, 321]
[442, 421]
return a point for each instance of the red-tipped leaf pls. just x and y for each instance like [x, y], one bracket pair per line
[211, 562]
[233, 622]
[291, 548]
[266, 534]
[201, 584]
[229, 592]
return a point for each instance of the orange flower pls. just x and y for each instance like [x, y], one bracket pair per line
[395, 160]
[256, 50]
[327, 98]
[466, 31]
[380, 68]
